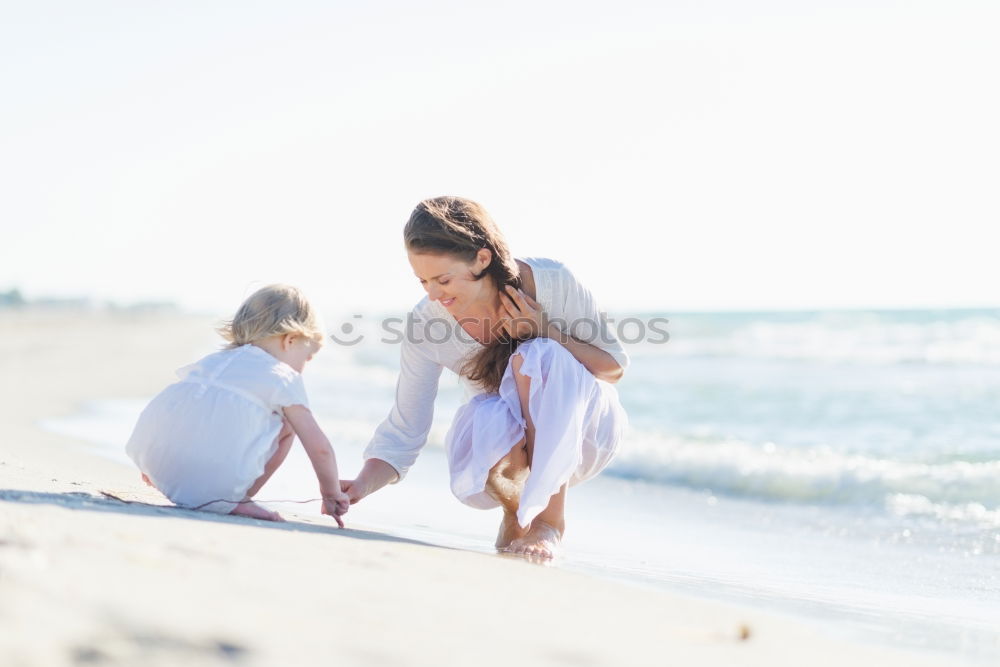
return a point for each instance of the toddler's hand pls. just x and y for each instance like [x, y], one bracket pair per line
[335, 505]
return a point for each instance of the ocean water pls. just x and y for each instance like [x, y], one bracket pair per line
[842, 467]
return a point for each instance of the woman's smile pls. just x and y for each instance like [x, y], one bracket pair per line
[445, 278]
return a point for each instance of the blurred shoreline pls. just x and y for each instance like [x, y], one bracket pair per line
[15, 299]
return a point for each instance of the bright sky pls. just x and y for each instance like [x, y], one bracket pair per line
[702, 154]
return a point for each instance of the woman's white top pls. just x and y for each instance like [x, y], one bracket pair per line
[435, 341]
[208, 437]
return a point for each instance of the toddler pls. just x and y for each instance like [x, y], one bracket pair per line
[211, 440]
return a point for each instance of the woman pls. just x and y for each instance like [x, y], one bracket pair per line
[538, 359]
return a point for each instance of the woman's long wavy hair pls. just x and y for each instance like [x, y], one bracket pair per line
[461, 228]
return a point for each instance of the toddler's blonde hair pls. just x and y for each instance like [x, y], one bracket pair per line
[272, 311]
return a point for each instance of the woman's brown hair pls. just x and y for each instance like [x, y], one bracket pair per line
[461, 228]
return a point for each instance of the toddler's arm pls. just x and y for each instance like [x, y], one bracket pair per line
[324, 462]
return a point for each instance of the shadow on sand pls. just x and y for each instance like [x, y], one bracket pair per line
[108, 502]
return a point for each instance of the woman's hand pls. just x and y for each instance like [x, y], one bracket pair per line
[375, 474]
[351, 490]
[528, 320]
[525, 317]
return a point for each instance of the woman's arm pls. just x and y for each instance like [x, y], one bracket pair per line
[528, 321]
[399, 438]
[600, 364]
[375, 474]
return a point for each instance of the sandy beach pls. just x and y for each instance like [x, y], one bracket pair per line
[95, 568]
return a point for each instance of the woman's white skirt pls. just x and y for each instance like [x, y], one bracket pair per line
[579, 425]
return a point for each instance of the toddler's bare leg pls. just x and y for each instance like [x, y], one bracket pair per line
[251, 509]
[285, 439]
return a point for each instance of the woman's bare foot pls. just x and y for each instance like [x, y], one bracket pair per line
[540, 542]
[510, 530]
[145, 478]
[254, 511]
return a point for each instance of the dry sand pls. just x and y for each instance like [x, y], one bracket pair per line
[86, 579]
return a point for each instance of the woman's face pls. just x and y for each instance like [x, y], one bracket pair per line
[449, 280]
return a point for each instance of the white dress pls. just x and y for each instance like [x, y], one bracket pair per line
[208, 437]
[579, 421]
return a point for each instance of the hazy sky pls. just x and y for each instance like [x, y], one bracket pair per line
[678, 155]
